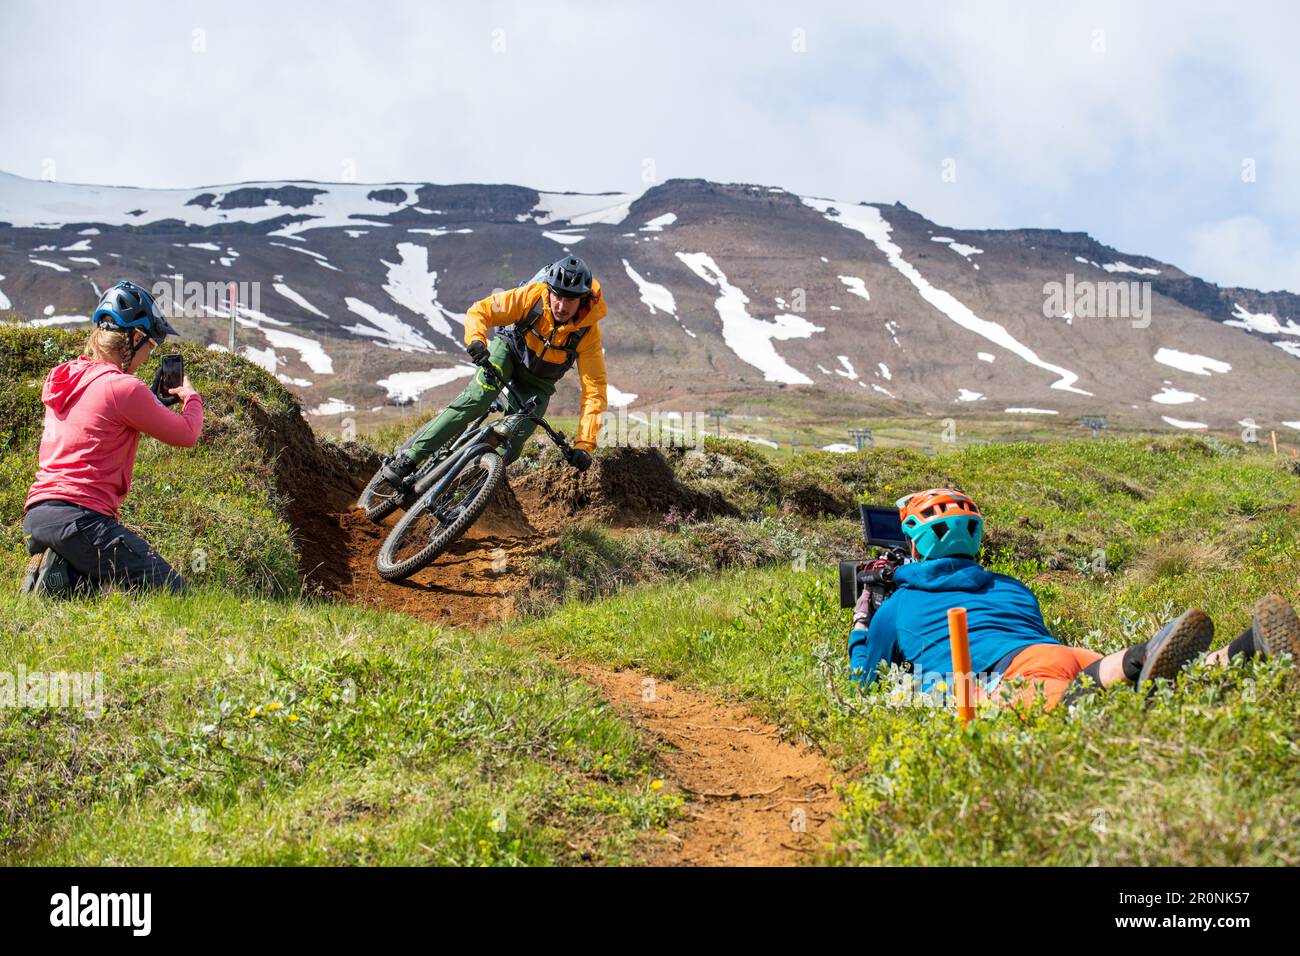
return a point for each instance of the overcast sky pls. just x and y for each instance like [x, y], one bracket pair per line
[1138, 123]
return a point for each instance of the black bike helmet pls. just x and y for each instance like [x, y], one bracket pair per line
[128, 308]
[569, 277]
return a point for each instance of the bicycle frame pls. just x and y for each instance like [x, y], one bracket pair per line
[473, 441]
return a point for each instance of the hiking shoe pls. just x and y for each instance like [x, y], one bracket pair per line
[1275, 627]
[1180, 641]
[397, 469]
[48, 573]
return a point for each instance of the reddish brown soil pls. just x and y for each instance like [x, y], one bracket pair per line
[751, 798]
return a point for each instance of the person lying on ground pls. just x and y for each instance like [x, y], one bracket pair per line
[95, 412]
[1008, 636]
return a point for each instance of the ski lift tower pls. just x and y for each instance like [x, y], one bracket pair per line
[862, 435]
[1095, 422]
[717, 415]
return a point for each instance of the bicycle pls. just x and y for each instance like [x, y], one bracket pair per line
[447, 494]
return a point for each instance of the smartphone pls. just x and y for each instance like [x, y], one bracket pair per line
[173, 372]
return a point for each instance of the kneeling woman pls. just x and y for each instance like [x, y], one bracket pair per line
[95, 411]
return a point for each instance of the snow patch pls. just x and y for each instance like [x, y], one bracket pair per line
[1031, 411]
[58, 320]
[868, 221]
[296, 299]
[961, 249]
[1172, 396]
[386, 329]
[617, 398]
[1263, 322]
[856, 286]
[750, 338]
[402, 386]
[1190, 362]
[411, 283]
[1180, 423]
[31, 203]
[656, 297]
[1125, 267]
[658, 222]
[841, 449]
[966, 395]
[335, 406]
[311, 352]
[580, 209]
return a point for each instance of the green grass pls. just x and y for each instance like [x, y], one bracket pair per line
[211, 511]
[255, 731]
[248, 725]
[1208, 774]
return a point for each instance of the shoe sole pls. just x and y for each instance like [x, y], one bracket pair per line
[33, 573]
[1190, 638]
[1276, 627]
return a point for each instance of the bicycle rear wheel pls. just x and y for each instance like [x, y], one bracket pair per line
[433, 525]
[380, 498]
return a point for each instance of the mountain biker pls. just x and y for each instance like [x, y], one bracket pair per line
[1008, 637]
[95, 411]
[554, 322]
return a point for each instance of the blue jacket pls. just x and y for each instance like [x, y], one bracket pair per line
[1003, 616]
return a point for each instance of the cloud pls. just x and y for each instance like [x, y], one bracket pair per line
[1244, 252]
[1128, 121]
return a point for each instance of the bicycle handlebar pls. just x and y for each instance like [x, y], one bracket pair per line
[525, 408]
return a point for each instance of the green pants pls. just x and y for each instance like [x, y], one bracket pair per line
[474, 401]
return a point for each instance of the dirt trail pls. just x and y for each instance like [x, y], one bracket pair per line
[752, 799]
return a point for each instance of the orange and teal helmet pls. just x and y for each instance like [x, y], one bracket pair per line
[941, 523]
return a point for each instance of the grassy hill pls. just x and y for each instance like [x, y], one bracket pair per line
[1114, 537]
[260, 723]
[252, 724]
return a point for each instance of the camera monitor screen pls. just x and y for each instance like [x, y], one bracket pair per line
[881, 526]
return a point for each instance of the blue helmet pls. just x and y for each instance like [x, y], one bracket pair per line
[126, 308]
[941, 523]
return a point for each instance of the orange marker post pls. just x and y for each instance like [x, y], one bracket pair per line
[959, 641]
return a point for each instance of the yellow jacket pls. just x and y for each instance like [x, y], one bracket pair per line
[512, 305]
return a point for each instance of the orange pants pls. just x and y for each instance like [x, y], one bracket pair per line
[1050, 668]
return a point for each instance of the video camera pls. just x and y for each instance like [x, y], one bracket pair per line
[882, 529]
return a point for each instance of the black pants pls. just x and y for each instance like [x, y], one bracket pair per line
[99, 549]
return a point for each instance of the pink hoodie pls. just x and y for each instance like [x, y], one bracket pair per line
[94, 414]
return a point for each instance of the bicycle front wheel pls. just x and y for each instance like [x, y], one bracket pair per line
[434, 524]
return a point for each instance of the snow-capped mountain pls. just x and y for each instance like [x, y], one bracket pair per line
[354, 294]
